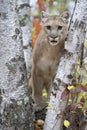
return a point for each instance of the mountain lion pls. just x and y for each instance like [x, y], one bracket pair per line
[46, 54]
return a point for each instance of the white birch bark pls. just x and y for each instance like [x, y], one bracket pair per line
[15, 102]
[23, 9]
[66, 69]
[85, 48]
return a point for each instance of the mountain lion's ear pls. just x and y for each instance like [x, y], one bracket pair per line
[65, 16]
[44, 16]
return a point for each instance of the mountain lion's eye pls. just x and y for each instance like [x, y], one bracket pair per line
[49, 27]
[59, 27]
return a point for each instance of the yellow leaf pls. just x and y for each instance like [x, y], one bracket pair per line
[49, 107]
[33, 30]
[83, 94]
[80, 107]
[70, 87]
[70, 100]
[47, 102]
[84, 83]
[85, 44]
[44, 93]
[66, 123]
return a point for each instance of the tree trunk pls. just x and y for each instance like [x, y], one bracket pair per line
[66, 69]
[15, 101]
[23, 10]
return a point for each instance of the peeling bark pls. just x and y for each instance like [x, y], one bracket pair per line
[66, 70]
[15, 101]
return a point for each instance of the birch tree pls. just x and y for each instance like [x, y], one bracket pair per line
[66, 69]
[15, 101]
[23, 10]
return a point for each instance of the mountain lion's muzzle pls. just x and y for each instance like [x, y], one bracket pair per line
[53, 40]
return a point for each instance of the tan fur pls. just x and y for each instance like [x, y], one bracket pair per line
[46, 55]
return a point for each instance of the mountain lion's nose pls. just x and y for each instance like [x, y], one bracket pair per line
[53, 36]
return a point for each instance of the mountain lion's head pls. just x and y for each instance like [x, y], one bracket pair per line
[55, 27]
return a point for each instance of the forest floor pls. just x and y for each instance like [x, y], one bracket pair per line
[76, 119]
[39, 119]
